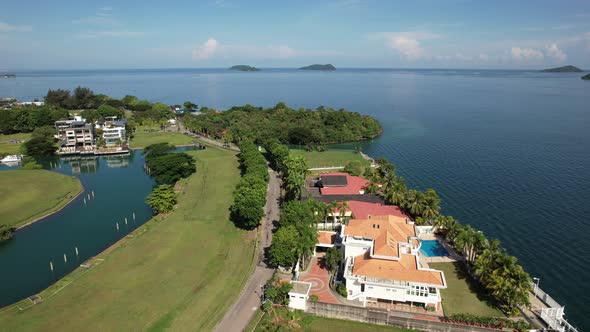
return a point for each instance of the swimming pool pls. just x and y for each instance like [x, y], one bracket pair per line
[432, 248]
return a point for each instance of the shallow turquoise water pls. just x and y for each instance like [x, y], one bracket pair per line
[508, 151]
[432, 248]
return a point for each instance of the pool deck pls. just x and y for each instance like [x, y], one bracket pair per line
[452, 257]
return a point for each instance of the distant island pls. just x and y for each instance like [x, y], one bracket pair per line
[318, 67]
[586, 77]
[244, 68]
[7, 76]
[564, 69]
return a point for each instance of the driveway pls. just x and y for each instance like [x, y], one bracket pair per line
[319, 278]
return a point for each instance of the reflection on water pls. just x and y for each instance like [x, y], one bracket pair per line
[111, 206]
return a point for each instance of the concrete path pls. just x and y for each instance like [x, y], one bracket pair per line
[241, 312]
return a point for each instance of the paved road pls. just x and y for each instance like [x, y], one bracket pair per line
[241, 312]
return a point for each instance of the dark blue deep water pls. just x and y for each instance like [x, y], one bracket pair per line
[508, 151]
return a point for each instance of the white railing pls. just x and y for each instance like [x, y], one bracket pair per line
[552, 316]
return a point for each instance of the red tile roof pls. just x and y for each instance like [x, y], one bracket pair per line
[405, 269]
[362, 210]
[355, 185]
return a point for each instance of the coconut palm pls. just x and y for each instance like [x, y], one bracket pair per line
[430, 205]
[413, 202]
[397, 192]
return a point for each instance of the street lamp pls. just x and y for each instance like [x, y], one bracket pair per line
[536, 281]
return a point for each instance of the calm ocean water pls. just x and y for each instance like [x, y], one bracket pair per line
[508, 151]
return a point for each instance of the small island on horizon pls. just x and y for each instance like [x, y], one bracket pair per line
[244, 68]
[563, 69]
[319, 67]
[586, 77]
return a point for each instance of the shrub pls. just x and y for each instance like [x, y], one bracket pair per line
[314, 298]
[354, 168]
[341, 289]
[162, 199]
[6, 232]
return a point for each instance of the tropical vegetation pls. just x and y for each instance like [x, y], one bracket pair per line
[497, 271]
[41, 142]
[289, 126]
[250, 193]
[6, 232]
[162, 199]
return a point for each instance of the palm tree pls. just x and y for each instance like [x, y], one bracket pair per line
[413, 202]
[430, 205]
[397, 192]
[465, 241]
[333, 206]
[294, 179]
[343, 206]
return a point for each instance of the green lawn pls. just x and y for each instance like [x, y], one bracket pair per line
[330, 324]
[179, 273]
[461, 296]
[330, 158]
[142, 139]
[299, 321]
[28, 195]
[10, 148]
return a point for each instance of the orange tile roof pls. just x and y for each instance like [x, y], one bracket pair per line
[405, 269]
[326, 237]
[386, 231]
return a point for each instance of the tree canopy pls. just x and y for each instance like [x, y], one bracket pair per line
[287, 125]
[162, 199]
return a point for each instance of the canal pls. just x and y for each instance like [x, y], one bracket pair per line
[89, 223]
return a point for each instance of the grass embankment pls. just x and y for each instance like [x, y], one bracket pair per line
[180, 273]
[461, 294]
[329, 158]
[12, 148]
[143, 139]
[306, 322]
[29, 195]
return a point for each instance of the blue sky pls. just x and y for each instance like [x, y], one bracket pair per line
[347, 33]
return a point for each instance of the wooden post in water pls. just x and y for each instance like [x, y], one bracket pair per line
[65, 258]
[84, 201]
[51, 265]
[93, 194]
[125, 220]
[117, 226]
[133, 216]
[88, 196]
[76, 251]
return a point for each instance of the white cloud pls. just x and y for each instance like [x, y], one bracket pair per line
[553, 51]
[6, 27]
[563, 27]
[406, 44]
[408, 48]
[484, 57]
[206, 50]
[526, 54]
[212, 47]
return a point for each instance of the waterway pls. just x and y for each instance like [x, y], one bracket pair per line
[507, 150]
[119, 185]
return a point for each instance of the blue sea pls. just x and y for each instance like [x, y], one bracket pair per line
[508, 151]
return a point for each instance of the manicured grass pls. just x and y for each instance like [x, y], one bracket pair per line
[299, 321]
[179, 273]
[461, 295]
[12, 148]
[28, 195]
[330, 158]
[331, 324]
[141, 140]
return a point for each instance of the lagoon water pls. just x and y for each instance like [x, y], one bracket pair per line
[508, 151]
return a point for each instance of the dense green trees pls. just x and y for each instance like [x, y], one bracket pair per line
[25, 119]
[162, 199]
[171, 167]
[41, 142]
[287, 125]
[250, 194]
[283, 250]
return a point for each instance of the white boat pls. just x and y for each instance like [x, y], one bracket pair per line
[12, 158]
